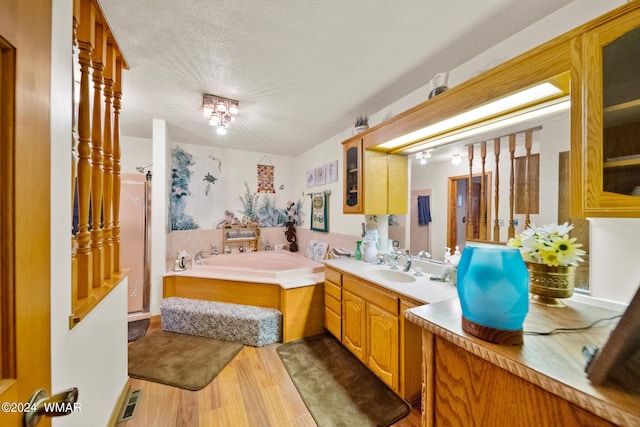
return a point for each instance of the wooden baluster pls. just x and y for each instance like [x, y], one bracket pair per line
[470, 194]
[117, 103]
[483, 203]
[74, 147]
[108, 161]
[528, 142]
[496, 221]
[512, 148]
[96, 156]
[83, 237]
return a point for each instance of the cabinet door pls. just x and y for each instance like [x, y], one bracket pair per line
[353, 194]
[382, 345]
[610, 74]
[353, 323]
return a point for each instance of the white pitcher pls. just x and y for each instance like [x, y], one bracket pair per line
[369, 250]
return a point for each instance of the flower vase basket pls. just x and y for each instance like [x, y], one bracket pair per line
[549, 284]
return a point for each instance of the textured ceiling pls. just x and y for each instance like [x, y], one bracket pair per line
[302, 70]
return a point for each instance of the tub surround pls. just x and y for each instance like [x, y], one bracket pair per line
[295, 290]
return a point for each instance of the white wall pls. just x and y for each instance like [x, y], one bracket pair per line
[605, 257]
[93, 355]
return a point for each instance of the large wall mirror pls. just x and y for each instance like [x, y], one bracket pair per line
[490, 185]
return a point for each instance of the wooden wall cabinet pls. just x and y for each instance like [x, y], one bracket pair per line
[375, 182]
[607, 146]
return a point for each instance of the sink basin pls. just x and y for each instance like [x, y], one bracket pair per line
[385, 274]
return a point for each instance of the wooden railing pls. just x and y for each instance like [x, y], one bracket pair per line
[95, 160]
[485, 232]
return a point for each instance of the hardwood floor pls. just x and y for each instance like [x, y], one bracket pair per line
[253, 390]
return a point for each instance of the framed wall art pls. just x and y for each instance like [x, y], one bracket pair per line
[319, 215]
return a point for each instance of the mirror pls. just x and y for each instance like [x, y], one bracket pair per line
[550, 146]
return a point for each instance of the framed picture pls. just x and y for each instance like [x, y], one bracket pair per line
[319, 219]
[320, 175]
[332, 172]
[618, 361]
[311, 178]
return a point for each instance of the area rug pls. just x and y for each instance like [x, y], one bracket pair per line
[137, 329]
[180, 360]
[336, 387]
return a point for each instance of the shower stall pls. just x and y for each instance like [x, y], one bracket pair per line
[135, 223]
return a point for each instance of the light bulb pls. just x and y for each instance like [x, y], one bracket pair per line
[221, 129]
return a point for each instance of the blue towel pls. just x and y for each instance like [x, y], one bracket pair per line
[424, 210]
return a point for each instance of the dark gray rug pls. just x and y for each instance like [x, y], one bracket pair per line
[180, 360]
[138, 329]
[336, 387]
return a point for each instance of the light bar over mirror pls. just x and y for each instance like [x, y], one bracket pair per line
[547, 97]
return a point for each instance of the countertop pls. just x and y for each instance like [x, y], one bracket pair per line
[423, 289]
[554, 362]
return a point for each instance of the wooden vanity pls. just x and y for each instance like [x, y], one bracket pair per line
[471, 382]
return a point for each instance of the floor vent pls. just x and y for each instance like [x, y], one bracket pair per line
[129, 409]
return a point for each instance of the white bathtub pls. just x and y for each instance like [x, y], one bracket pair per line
[262, 264]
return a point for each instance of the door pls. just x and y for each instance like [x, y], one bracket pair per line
[25, 56]
[353, 323]
[133, 251]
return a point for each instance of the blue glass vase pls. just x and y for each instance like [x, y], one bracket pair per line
[493, 287]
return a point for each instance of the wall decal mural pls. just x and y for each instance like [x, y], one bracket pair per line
[180, 179]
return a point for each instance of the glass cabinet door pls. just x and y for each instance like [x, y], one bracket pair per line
[353, 177]
[621, 115]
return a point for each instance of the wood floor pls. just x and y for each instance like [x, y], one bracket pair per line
[253, 390]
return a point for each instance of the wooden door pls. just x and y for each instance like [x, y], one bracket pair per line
[382, 345]
[25, 57]
[353, 323]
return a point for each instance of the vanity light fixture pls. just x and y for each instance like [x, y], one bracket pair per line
[456, 159]
[220, 111]
[551, 107]
[524, 97]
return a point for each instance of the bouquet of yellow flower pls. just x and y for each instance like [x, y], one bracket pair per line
[549, 244]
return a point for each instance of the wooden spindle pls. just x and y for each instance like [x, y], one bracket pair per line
[83, 237]
[108, 161]
[470, 194]
[496, 222]
[512, 148]
[96, 156]
[117, 102]
[528, 142]
[74, 148]
[483, 204]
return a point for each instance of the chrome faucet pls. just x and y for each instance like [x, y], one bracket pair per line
[407, 266]
[199, 256]
[423, 255]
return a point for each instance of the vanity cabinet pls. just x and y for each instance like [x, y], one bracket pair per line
[375, 182]
[471, 382]
[606, 58]
[370, 328]
[369, 320]
[333, 302]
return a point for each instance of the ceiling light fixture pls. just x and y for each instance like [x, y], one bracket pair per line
[456, 159]
[423, 156]
[220, 111]
[483, 112]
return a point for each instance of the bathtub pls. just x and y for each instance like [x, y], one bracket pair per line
[261, 264]
[284, 280]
